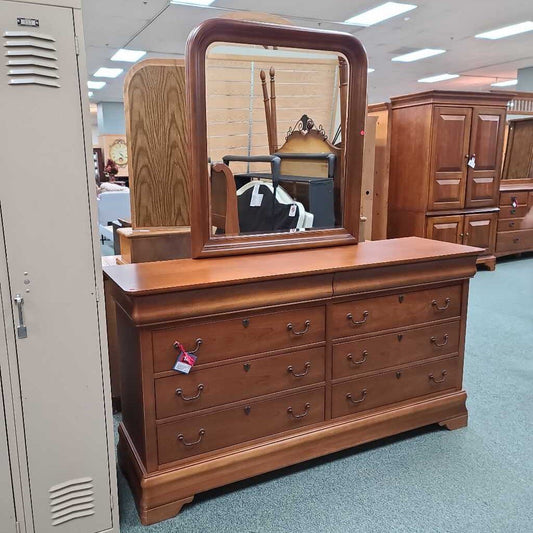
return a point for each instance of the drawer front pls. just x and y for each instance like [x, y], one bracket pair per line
[358, 395]
[184, 393]
[384, 351]
[506, 198]
[386, 312]
[223, 339]
[203, 433]
[514, 212]
[514, 240]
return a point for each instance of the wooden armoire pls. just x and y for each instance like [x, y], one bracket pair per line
[445, 163]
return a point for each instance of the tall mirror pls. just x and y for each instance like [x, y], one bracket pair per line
[277, 118]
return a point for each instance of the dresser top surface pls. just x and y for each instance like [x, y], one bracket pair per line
[185, 274]
[516, 185]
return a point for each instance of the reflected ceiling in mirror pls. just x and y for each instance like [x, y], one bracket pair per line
[269, 116]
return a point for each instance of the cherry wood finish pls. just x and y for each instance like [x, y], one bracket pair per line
[233, 31]
[518, 162]
[271, 395]
[515, 223]
[432, 188]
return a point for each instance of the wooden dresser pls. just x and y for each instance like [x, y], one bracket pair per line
[300, 354]
[515, 223]
[433, 192]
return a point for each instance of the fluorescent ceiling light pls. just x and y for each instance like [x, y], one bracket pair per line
[371, 70]
[95, 84]
[419, 54]
[507, 83]
[129, 56]
[193, 2]
[440, 77]
[382, 12]
[507, 31]
[103, 72]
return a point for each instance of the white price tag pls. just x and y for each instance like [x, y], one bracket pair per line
[472, 162]
[256, 199]
[292, 210]
[182, 367]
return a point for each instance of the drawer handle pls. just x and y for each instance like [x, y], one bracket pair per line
[436, 305]
[201, 434]
[179, 393]
[443, 374]
[363, 397]
[511, 224]
[434, 341]
[349, 317]
[361, 361]
[307, 325]
[199, 343]
[305, 413]
[307, 366]
[516, 239]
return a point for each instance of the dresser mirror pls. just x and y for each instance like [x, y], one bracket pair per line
[277, 122]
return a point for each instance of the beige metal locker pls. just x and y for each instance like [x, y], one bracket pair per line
[50, 278]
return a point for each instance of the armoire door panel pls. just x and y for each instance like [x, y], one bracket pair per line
[480, 230]
[486, 144]
[447, 228]
[451, 135]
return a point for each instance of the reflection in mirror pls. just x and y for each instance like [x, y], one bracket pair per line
[275, 118]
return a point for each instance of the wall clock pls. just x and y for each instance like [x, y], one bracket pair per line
[118, 151]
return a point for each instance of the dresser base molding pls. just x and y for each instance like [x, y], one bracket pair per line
[487, 260]
[161, 495]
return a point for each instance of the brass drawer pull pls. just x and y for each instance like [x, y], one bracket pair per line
[307, 366]
[434, 341]
[199, 343]
[201, 434]
[511, 224]
[436, 305]
[443, 374]
[349, 317]
[307, 325]
[307, 407]
[363, 397]
[179, 393]
[516, 239]
[361, 361]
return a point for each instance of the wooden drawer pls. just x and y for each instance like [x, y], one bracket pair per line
[514, 240]
[203, 433]
[506, 198]
[515, 224]
[184, 393]
[397, 310]
[384, 351]
[514, 212]
[223, 339]
[369, 392]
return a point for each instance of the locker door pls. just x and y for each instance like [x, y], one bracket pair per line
[44, 202]
[7, 500]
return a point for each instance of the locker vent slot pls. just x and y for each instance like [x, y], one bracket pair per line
[31, 58]
[71, 499]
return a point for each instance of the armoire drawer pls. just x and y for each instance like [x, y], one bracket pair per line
[224, 339]
[514, 224]
[394, 386]
[514, 212]
[514, 240]
[520, 197]
[385, 351]
[203, 433]
[397, 310]
[184, 393]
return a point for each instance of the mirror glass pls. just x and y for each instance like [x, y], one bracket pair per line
[274, 138]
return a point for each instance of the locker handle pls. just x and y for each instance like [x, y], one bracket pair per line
[22, 331]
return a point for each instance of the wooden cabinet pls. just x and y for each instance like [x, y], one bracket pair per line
[299, 354]
[515, 223]
[474, 229]
[446, 154]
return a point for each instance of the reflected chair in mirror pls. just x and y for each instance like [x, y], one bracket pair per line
[224, 214]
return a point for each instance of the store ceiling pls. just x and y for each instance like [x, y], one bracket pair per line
[162, 30]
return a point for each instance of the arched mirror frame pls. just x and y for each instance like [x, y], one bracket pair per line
[204, 244]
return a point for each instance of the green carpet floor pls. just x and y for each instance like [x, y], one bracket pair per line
[476, 479]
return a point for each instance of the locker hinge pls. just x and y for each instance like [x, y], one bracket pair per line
[77, 45]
